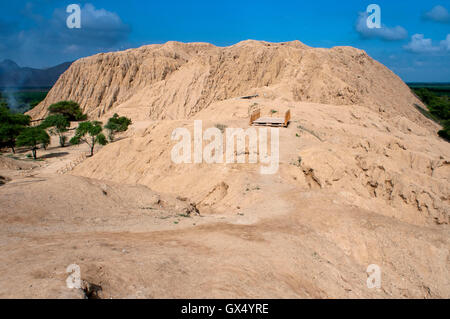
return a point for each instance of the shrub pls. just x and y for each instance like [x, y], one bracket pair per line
[439, 108]
[445, 132]
[59, 125]
[94, 131]
[11, 125]
[117, 124]
[70, 109]
[32, 137]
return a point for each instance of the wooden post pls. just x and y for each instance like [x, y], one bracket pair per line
[256, 114]
[287, 117]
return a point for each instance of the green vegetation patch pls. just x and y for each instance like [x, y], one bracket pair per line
[437, 99]
[21, 100]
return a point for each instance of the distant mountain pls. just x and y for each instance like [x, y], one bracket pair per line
[12, 75]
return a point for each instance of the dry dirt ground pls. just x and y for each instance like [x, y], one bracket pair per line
[363, 179]
[354, 188]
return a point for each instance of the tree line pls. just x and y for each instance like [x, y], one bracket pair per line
[439, 108]
[16, 129]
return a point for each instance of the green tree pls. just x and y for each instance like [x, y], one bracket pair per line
[117, 124]
[58, 125]
[70, 109]
[11, 125]
[425, 95]
[89, 132]
[32, 137]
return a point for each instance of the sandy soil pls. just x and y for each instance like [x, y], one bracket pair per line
[363, 179]
[263, 236]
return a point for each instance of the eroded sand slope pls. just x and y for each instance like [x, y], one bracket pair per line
[363, 179]
[175, 80]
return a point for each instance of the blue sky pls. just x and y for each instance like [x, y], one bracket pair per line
[414, 40]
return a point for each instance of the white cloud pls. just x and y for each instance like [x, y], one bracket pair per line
[99, 28]
[438, 14]
[445, 44]
[101, 19]
[384, 33]
[420, 44]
